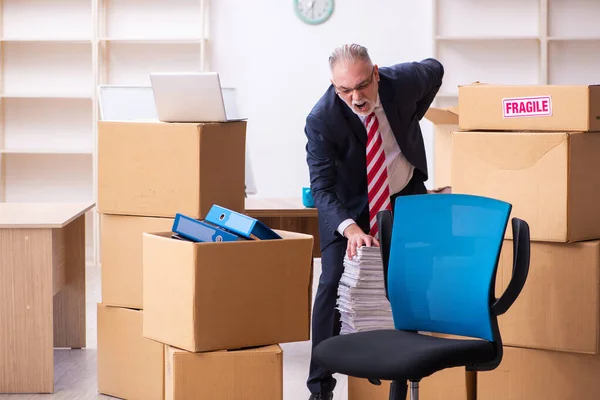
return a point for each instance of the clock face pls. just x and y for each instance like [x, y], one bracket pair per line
[313, 11]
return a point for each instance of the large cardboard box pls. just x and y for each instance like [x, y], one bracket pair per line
[447, 384]
[156, 169]
[534, 107]
[121, 256]
[129, 365]
[227, 295]
[445, 121]
[526, 374]
[550, 178]
[558, 308]
[251, 374]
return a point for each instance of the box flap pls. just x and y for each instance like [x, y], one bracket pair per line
[475, 83]
[443, 116]
[527, 170]
[528, 149]
[274, 349]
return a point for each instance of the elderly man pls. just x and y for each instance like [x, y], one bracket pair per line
[364, 149]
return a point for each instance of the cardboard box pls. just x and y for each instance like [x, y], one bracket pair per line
[129, 366]
[121, 256]
[227, 295]
[445, 121]
[550, 178]
[534, 107]
[447, 384]
[526, 374]
[558, 309]
[158, 169]
[252, 374]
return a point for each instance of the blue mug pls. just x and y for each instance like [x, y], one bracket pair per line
[307, 198]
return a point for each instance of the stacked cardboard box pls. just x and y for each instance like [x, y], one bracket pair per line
[181, 320]
[537, 148]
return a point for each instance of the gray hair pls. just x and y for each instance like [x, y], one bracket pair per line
[349, 52]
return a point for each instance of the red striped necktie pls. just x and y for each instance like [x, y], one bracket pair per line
[377, 177]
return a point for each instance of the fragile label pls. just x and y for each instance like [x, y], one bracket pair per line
[538, 106]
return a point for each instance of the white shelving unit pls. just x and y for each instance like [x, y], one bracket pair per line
[53, 56]
[526, 42]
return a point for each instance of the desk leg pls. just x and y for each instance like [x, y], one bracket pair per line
[69, 303]
[26, 288]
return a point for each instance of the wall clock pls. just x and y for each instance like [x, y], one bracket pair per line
[313, 12]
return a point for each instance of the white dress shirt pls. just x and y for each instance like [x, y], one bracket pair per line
[399, 170]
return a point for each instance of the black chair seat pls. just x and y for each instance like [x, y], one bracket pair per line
[398, 355]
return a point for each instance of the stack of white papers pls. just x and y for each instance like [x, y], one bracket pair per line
[361, 293]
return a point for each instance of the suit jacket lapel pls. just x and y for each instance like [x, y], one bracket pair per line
[354, 122]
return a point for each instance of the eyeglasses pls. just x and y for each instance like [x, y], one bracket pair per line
[358, 88]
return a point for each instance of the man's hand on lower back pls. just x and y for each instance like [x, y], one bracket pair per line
[356, 238]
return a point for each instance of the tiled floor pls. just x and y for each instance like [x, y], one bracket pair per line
[75, 370]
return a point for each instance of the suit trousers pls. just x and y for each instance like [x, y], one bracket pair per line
[326, 318]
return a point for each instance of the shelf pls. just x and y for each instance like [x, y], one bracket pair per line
[67, 67]
[53, 54]
[34, 95]
[573, 18]
[562, 70]
[488, 18]
[46, 151]
[507, 62]
[484, 38]
[140, 19]
[132, 63]
[47, 18]
[153, 41]
[45, 40]
[49, 178]
[58, 126]
[574, 39]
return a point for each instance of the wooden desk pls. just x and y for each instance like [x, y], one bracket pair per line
[288, 214]
[42, 290]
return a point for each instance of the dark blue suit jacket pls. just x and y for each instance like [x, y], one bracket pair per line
[337, 140]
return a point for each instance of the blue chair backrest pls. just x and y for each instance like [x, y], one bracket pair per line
[443, 260]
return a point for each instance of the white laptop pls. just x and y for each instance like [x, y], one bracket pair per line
[193, 97]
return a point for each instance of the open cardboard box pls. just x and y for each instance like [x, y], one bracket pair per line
[201, 296]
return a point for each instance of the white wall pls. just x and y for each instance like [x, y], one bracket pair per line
[279, 66]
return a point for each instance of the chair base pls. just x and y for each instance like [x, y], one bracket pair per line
[399, 390]
[414, 391]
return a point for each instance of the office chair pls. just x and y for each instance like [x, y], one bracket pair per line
[440, 255]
